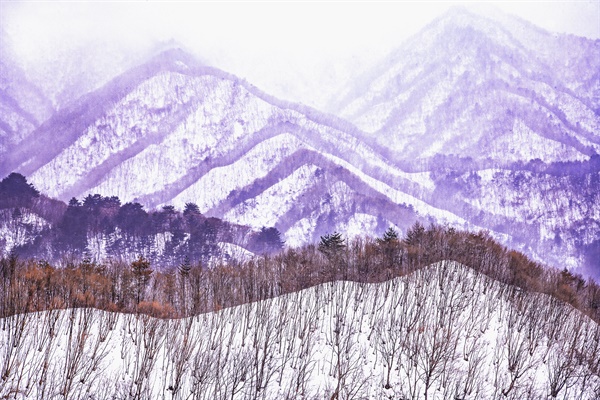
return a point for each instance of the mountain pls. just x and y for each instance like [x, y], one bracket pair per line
[209, 138]
[444, 331]
[33, 88]
[174, 131]
[496, 89]
[23, 105]
[486, 106]
[98, 228]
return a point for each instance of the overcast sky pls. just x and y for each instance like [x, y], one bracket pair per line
[255, 40]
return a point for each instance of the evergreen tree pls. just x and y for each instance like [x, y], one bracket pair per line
[390, 236]
[268, 240]
[191, 209]
[415, 234]
[133, 219]
[389, 246]
[331, 244]
[73, 229]
[15, 191]
[185, 267]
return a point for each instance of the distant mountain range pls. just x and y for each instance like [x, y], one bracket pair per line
[475, 87]
[475, 123]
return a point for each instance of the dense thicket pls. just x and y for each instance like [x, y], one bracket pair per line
[192, 288]
[102, 227]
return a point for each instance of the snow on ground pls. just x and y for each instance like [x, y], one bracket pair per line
[302, 231]
[219, 182]
[359, 224]
[442, 332]
[266, 208]
[234, 251]
[522, 143]
[400, 197]
[16, 228]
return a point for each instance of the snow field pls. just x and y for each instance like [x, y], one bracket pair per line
[439, 333]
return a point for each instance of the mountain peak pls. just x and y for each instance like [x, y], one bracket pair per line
[177, 57]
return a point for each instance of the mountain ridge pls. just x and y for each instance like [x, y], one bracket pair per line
[208, 137]
[451, 44]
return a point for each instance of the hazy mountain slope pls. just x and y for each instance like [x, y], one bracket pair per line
[23, 106]
[444, 331]
[203, 135]
[66, 125]
[493, 90]
[173, 132]
[466, 85]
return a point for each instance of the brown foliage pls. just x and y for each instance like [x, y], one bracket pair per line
[136, 288]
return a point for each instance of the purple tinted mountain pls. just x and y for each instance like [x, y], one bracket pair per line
[23, 106]
[173, 131]
[32, 89]
[204, 136]
[101, 228]
[499, 89]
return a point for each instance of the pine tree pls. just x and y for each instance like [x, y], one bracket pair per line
[184, 270]
[268, 240]
[415, 234]
[331, 244]
[389, 246]
[185, 267]
[390, 236]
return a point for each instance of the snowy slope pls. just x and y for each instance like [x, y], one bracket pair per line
[206, 137]
[172, 131]
[442, 332]
[471, 85]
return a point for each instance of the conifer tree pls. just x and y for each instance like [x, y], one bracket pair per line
[390, 236]
[331, 242]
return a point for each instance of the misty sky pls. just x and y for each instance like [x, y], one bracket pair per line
[278, 46]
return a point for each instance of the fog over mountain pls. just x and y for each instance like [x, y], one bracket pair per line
[475, 122]
[299, 200]
[476, 87]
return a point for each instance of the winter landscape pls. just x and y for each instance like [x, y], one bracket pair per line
[417, 221]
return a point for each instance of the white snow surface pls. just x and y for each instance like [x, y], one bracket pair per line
[16, 230]
[266, 208]
[442, 332]
[218, 183]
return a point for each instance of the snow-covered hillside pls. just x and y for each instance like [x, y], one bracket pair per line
[482, 87]
[441, 332]
[462, 97]
[206, 137]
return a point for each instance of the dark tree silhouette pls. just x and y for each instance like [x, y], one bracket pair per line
[133, 219]
[73, 228]
[390, 236]
[267, 240]
[331, 243]
[16, 192]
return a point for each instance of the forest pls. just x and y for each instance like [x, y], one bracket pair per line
[192, 287]
[437, 314]
[101, 227]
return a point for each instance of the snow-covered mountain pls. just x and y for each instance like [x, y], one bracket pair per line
[481, 87]
[441, 332]
[206, 137]
[23, 105]
[450, 123]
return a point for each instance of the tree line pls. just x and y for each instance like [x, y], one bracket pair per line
[103, 226]
[444, 331]
[192, 288]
